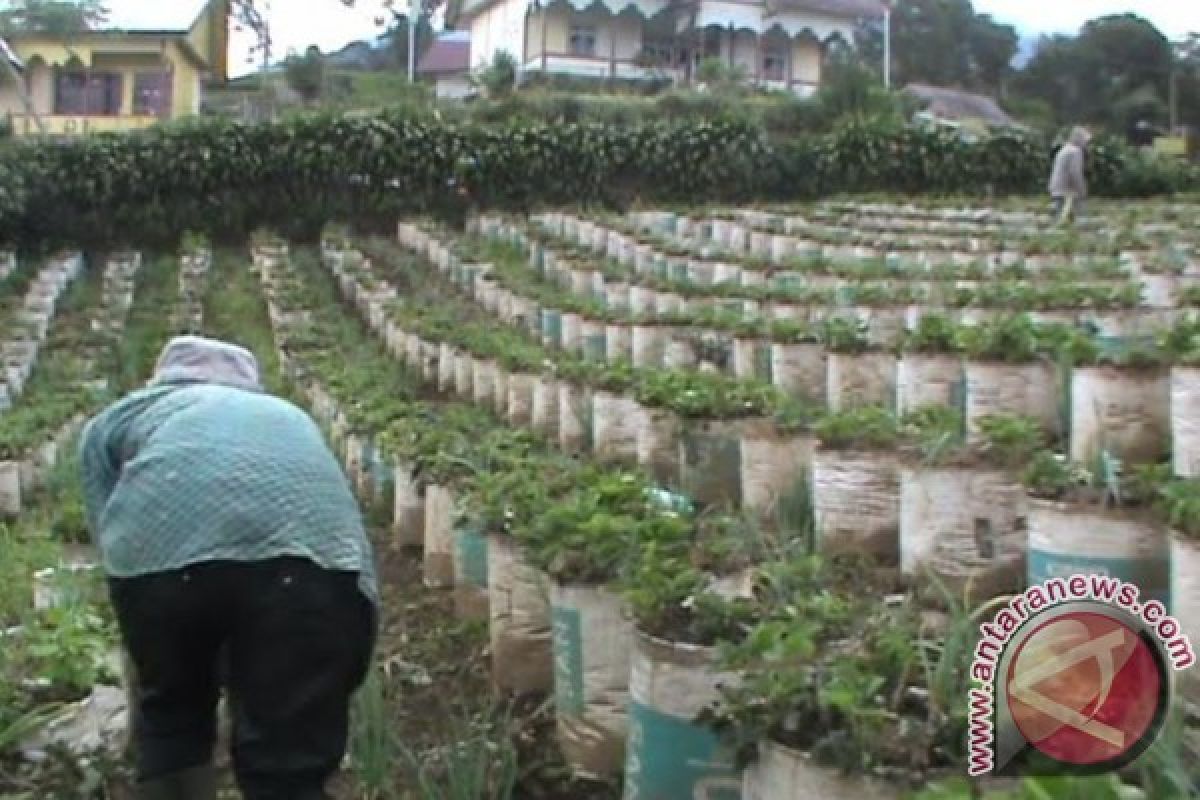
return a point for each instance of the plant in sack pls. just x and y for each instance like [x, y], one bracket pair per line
[1103, 514]
[833, 673]
[585, 542]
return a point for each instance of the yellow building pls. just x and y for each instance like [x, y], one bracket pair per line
[116, 80]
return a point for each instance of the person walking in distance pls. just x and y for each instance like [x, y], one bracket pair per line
[1068, 184]
[229, 532]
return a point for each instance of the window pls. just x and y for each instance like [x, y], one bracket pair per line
[659, 52]
[774, 64]
[582, 40]
[87, 94]
[152, 94]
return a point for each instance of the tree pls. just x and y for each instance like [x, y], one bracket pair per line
[1114, 74]
[58, 18]
[500, 77]
[944, 43]
[306, 74]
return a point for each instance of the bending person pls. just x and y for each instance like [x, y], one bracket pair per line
[225, 524]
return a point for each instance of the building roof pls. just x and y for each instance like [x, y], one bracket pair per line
[834, 8]
[957, 104]
[450, 53]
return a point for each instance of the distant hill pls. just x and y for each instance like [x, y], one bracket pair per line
[360, 55]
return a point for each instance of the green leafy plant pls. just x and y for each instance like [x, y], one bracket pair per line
[934, 334]
[845, 335]
[864, 428]
[1010, 340]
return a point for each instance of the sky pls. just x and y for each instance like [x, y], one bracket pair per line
[329, 24]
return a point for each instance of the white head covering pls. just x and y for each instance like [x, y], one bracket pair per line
[1080, 136]
[195, 359]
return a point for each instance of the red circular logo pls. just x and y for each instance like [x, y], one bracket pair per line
[1085, 689]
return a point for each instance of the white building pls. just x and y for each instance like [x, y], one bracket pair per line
[778, 44]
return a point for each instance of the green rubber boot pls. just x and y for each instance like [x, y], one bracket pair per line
[197, 783]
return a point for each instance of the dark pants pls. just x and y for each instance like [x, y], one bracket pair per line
[297, 641]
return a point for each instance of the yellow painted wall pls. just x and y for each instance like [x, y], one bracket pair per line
[533, 38]
[128, 58]
[806, 60]
[627, 30]
[558, 25]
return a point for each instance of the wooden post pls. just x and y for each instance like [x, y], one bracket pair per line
[732, 43]
[545, 25]
[791, 52]
[612, 46]
[758, 59]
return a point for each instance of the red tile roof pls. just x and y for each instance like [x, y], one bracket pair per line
[446, 55]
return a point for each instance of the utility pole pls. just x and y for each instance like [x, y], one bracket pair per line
[1174, 100]
[413, 18]
[887, 44]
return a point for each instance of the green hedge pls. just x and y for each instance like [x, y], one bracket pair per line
[225, 179]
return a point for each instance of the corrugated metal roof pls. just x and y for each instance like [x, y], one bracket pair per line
[448, 54]
[959, 104]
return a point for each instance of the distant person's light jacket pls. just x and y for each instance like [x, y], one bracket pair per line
[203, 466]
[1067, 178]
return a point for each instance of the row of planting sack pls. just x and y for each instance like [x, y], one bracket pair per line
[68, 356]
[947, 503]
[695, 268]
[630, 683]
[783, 235]
[1127, 401]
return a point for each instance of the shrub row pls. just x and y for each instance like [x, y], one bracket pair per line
[225, 179]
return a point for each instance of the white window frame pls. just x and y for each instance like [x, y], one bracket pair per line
[774, 54]
[577, 35]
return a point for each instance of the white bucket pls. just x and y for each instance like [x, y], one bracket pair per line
[1028, 389]
[464, 374]
[10, 488]
[669, 754]
[470, 573]
[483, 383]
[784, 774]
[618, 342]
[518, 620]
[648, 344]
[520, 398]
[1124, 411]
[439, 537]
[1185, 420]
[657, 442]
[966, 527]
[1185, 601]
[544, 410]
[856, 503]
[408, 511]
[614, 427]
[572, 335]
[1067, 540]
[799, 369]
[773, 467]
[500, 379]
[928, 380]
[679, 352]
[447, 364]
[574, 417]
[752, 360]
[592, 643]
[864, 379]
